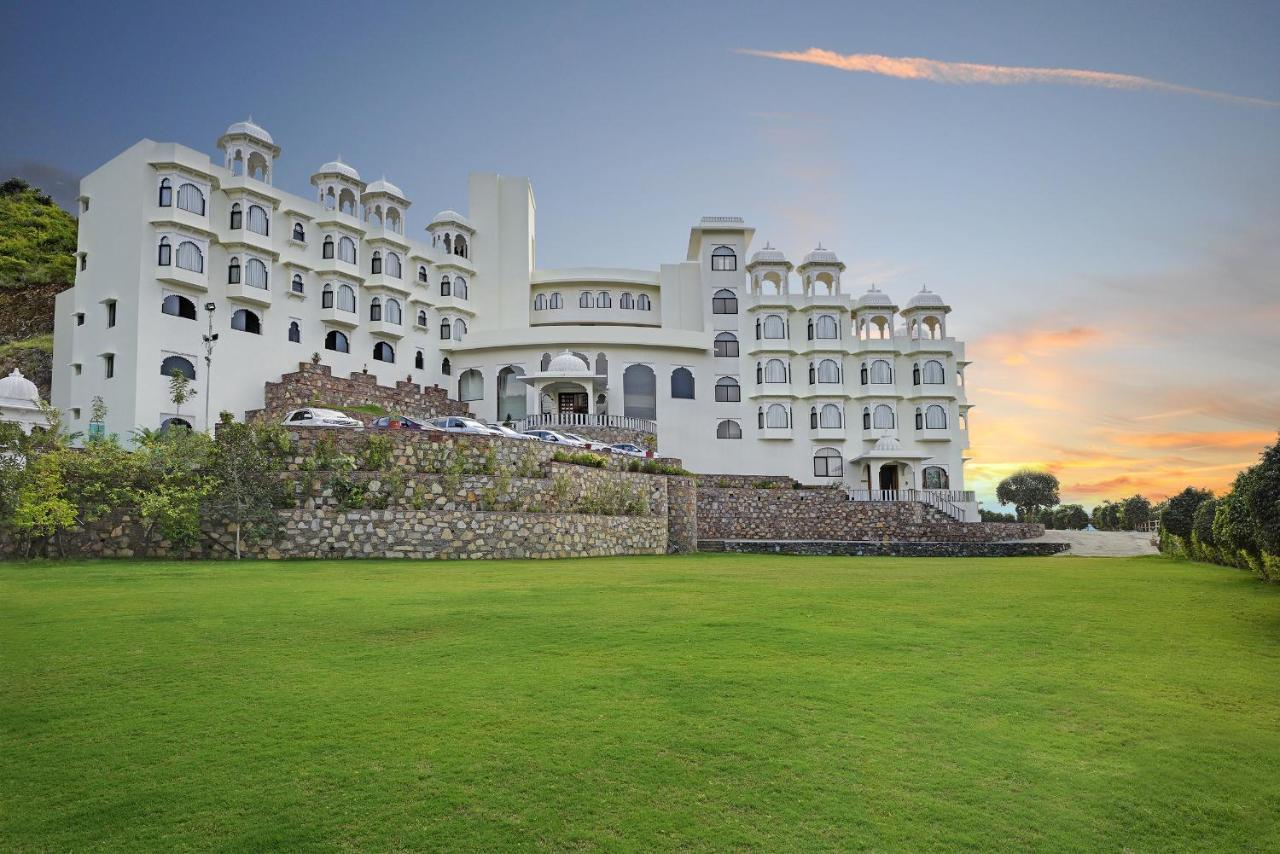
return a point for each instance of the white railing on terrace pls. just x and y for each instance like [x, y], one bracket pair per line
[582, 419]
[946, 500]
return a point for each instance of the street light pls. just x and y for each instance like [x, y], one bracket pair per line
[209, 340]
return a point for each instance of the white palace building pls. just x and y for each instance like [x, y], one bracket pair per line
[741, 362]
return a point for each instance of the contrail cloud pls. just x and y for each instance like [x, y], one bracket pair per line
[937, 71]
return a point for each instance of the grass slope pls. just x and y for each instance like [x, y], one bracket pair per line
[715, 701]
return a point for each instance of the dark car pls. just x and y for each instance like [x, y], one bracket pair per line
[401, 422]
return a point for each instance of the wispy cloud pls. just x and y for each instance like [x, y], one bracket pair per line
[937, 71]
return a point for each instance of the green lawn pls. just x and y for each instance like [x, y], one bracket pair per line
[715, 701]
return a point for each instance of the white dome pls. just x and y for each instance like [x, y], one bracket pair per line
[875, 298]
[248, 128]
[821, 256]
[382, 185]
[449, 216]
[339, 168]
[926, 299]
[769, 255]
[567, 363]
[888, 443]
[17, 387]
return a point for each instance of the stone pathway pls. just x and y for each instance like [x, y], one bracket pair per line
[1102, 543]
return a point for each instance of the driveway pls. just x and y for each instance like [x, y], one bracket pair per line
[1102, 543]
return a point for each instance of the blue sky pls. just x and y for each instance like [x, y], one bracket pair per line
[1097, 220]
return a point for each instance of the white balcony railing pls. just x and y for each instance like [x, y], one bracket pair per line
[946, 500]
[581, 419]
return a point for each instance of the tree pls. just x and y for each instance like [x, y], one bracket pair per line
[1202, 523]
[1070, 517]
[1134, 512]
[1261, 497]
[43, 509]
[1179, 511]
[170, 484]
[996, 516]
[1028, 491]
[245, 467]
[180, 390]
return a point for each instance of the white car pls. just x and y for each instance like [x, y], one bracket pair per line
[629, 449]
[504, 430]
[458, 424]
[555, 438]
[310, 416]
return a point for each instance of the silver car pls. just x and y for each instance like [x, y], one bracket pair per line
[629, 449]
[458, 424]
[504, 430]
[311, 416]
[555, 438]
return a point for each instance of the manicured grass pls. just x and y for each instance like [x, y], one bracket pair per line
[715, 701]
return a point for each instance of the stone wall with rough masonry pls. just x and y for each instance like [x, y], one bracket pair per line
[682, 514]
[826, 547]
[315, 385]
[826, 514]
[745, 481]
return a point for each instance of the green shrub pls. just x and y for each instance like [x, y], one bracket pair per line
[378, 451]
[656, 467]
[1179, 512]
[581, 458]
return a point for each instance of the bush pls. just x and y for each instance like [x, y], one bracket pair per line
[1070, 517]
[1202, 523]
[656, 467]
[1179, 512]
[581, 458]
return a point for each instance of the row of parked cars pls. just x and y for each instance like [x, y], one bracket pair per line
[312, 416]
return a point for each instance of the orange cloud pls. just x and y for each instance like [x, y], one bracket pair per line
[1229, 439]
[937, 71]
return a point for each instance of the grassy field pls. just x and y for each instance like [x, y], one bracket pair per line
[715, 701]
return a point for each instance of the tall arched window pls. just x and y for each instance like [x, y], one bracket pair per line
[585, 300]
[882, 418]
[827, 463]
[726, 345]
[827, 327]
[935, 477]
[470, 385]
[460, 246]
[165, 253]
[554, 301]
[326, 248]
[237, 216]
[446, 329]
[828, 371]
[190, 257]
[244, 320]
[915, 374]
[830, 416]
[179, 364]
[639, 392]
[178, 306]
[422, 317]
[392, 313]
[626, 301]
[296, 283]
[775, 371]
[935, 417]
[337, 342]
[326, 296]
[774, 327]
[642, 302]
[446, 287]
[375, 308]
[459, 287]
[724, 301]
[446, 367]
[295, 332]
[723, 258]
[777, 416]
[258, 222]
[728, 430]
[255, 274]
[866, 418]
[881, 372]
[384, 352]
[539, 302]
[346, 298]
[459, 329]
[347, 250]
[233, 271]
[603, 300]
[418, 362]
[682, 384]
[422, 274]
[191, 199]
[166, 193]
[512, 398]
[375, 263]
[728, 390]
[393, 265]
[933, 373]
[299, 233]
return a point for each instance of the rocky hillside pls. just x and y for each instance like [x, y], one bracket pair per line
[37, 260]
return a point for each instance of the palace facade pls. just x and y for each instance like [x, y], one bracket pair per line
[737, 362]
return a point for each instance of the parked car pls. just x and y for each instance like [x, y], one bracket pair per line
[590, 444]
[629, 449]
[310, 416]
[504, 430]
[401, 422]
[555, 438]
[458, 424]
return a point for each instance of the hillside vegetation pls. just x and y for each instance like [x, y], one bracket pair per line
[37, 260]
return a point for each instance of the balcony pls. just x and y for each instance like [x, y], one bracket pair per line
[769, 345]
[339, 317]
[772, 390]
[382, 234]
[177, 216]
[174, 275]
[827, 434]
[775, 433]
[248, 239]
[386, 328]
[242, 292]
[381, 281]
[348, 221]
[556, 420]
[934, 434]
[343, 268]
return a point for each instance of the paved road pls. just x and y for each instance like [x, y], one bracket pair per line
[1102, 543]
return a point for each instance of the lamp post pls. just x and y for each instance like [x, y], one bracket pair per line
[209, 340]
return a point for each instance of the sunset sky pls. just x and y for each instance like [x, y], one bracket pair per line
[1094, 187]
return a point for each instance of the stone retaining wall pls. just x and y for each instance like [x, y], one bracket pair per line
[682, 514]
[744, 481]
[823, 547]
[315, 385]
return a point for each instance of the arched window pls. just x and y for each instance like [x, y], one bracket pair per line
[165, 253]
[445, 367]
[459, 287]
[337, 342]
[830, 416]
[422, 274]
[866, 418]
[448, 244]
[258, 222]
[233, 271]
[554, 301]
[346, 298]
[723, 258]
[603, 300]
[539, 302]
[375, 263]
[919, 418]
[828, 371]
[255, 274]
[174, 423]
[347, 202]
[460, 246]
[295, 332]
[470, 385]
[642, 302]
[915, 374]
[546, 362]
[881, 372]
[446, 329]
[585, 300]
[775, 371]
[190, 257]
[375, 308]
[602, 365]
[863, 374]
[422, 317]
[296, 283]
[626, 301]
[299, 233]
[777, 416]
[933, 373]
[827, 463]
[459, 329]
[393, 265]
[512, 398]
[882, 418]
[393, 314]
[774, 327]
[728, 390]
[827, 327]
[179, 364]
[935, 417]
[166, 193]
[728, 430]
[244, 320]
[639, 392]
[726, 345]
[935, 477]
[682, 384]
[326, 248]
[446, 287]
[326, 296]
[178, 306]
[347, 250]
[383, 352]
[191, 199]
[418, 360]
[724, 301]
[237, 216]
